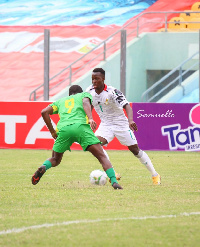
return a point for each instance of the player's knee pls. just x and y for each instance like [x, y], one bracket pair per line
[102, 140]
[134, 149]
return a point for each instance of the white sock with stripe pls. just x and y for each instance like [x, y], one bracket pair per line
[145, 160]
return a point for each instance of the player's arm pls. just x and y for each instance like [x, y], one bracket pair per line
[129, 112]
[88, 110]
[46, 112]
[121, 100]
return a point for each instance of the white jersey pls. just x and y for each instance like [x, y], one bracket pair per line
[109, 106]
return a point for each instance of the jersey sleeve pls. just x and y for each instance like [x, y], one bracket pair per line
[119, 98]
[55, 107]
[87, 95]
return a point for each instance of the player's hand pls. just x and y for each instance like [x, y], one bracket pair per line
[93, 124]
[54, 134]
[133, 126]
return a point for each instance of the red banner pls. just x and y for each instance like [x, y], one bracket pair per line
[21, 126]
[164, 126]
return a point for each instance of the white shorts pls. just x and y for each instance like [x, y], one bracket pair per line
[125, 136]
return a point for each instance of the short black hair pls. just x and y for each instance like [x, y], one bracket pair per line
[75, 89]
[102, 71]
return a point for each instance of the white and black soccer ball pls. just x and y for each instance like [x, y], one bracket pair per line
[98, 177]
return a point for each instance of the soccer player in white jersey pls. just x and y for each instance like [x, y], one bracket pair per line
[109, 104]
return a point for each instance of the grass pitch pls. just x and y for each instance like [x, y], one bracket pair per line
[64, 209]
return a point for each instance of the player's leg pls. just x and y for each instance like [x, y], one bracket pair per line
[105, 134]
[102, 140]
[62, 143]
[143, 158]
[118, 176]
[51, 162]
[54, 160]
[97, 151]
[128, 139]
[146, 161]
[89, 142]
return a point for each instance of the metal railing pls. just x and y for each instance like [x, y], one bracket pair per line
[133, 28]
[69, 68]
[154, 93]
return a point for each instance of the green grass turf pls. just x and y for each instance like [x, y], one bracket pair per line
[65, 194]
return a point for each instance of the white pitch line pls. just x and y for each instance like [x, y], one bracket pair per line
[65, 223]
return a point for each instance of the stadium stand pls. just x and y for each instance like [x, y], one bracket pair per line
[177, 23]
[187, 15]
[187, 21]
[196, 6]
[22, 60]
[194, 24]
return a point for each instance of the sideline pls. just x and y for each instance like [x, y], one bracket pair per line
[65, 223]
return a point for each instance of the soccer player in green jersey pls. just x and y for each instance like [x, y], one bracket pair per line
[75, 125]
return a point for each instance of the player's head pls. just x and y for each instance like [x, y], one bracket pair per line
[100, 70]
[75, 89]
[98, 77]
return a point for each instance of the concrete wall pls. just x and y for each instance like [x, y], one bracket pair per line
[151, 51]
[156, 51]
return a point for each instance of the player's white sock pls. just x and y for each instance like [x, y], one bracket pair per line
[106, 154]
[145, 160]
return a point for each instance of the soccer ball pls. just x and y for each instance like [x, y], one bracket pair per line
[98, 177]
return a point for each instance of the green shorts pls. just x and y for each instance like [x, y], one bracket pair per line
[69, 134]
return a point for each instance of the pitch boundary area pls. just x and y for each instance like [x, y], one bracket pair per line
[65, 223]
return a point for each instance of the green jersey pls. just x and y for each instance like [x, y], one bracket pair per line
[70, 110]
